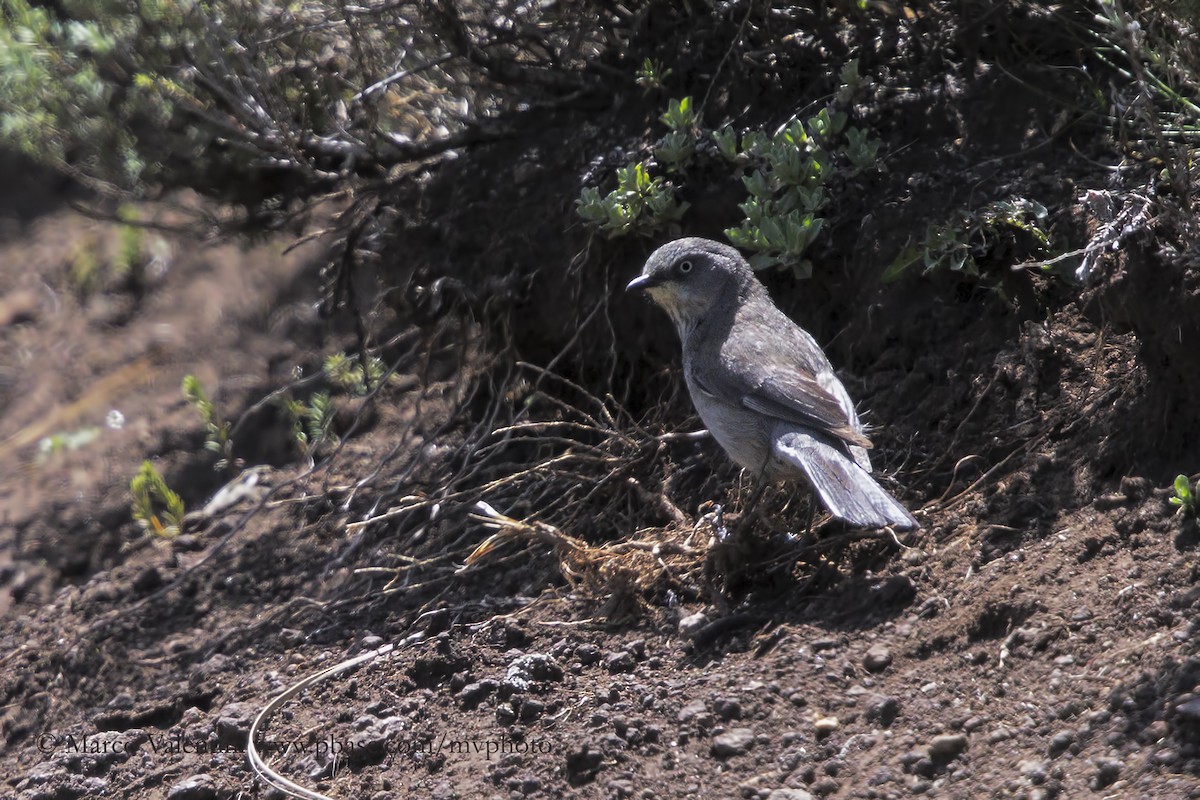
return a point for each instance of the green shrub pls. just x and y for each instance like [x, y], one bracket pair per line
[786, 175]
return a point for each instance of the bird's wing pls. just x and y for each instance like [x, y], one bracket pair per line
[791, 395]
[794, 395]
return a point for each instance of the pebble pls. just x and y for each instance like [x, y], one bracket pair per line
[883, 709]
[825, 725]
[620, 788]
[584, 763]
[1033, 769]
[619, 661]
[948, 746]
[197, 787]
[733, 743]
[473, 694]
[789, 794]
[692, 624]
[530, 668]
[999, 735]
[1107, 772]
[824, 786]
[877, 659]
[728, 708]
[1060, 742]
[691, 711]
[233, 721]
[1189, 710]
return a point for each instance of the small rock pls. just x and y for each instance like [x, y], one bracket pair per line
[123, 701]
[919, 786]
[369, 642]
[948, 746]
[505, 713]
[1106, 502]
[619, 661]
[1107, 772]
[1155, 732]
[620, 788]
[999, 735]
[583, 764]
[728, 708]
[750, 789]
[1032, 769]
[531, 668]
[197, 787]
[233, 722]
[1189, 710]
[877, 659]
[789, 794]
[692, 624]
[1166, 756]
[1135, 487]
[824, 786]
[882, 709]
[733, 743]
[691, 711]
[531, 709]
[473, 693]
[1060, 742]
[825, 725]
[587, 654]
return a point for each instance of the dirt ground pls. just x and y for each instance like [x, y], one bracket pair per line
[1036, 639]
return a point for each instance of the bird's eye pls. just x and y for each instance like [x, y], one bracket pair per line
[685, 267]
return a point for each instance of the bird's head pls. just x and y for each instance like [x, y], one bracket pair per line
[688, 277]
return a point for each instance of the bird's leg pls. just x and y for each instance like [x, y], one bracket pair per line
[748, 513]
[812, 511]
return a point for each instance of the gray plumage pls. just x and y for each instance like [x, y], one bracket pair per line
[762, 385]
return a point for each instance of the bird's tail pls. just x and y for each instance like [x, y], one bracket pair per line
[846, 489]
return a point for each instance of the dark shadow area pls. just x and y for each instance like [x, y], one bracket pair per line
[31, 190]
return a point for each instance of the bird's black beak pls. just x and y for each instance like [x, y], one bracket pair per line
[641, 282]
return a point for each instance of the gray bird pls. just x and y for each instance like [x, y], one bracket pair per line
[761, 384]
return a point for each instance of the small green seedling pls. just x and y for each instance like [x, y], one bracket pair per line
[311, 422]
[651, 75]
[347, 372]
[680, 116]
[216, 429]
[1187, 497]
[155, 506]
